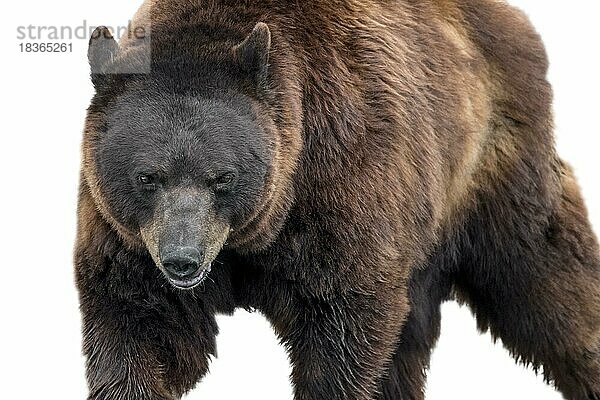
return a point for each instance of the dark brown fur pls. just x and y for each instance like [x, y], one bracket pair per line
[415, 164]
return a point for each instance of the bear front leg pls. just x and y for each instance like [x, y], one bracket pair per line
[143, 340]
[340, 347]
[120, 365]
[406, 377]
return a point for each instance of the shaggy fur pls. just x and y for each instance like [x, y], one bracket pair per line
[410, 161]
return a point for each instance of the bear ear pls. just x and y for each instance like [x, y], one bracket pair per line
[253, 53]
[102, 50]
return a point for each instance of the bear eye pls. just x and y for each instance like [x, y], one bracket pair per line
[147, 181]
[224, 181]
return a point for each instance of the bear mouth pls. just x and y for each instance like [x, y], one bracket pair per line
[189, 282]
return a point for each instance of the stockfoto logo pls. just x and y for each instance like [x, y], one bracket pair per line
[61, 38]
[79, 32]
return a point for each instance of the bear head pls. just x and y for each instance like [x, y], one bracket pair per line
[181, 158]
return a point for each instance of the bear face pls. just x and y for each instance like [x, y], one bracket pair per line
[179, 162]
[183, 171]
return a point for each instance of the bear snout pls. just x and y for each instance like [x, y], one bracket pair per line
[182, 262]
[185, 266]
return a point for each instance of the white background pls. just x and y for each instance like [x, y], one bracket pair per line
[44, 97]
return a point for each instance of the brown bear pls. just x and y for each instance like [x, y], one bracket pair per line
[343, 166]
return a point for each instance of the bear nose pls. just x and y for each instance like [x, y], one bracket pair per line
[182, 262]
